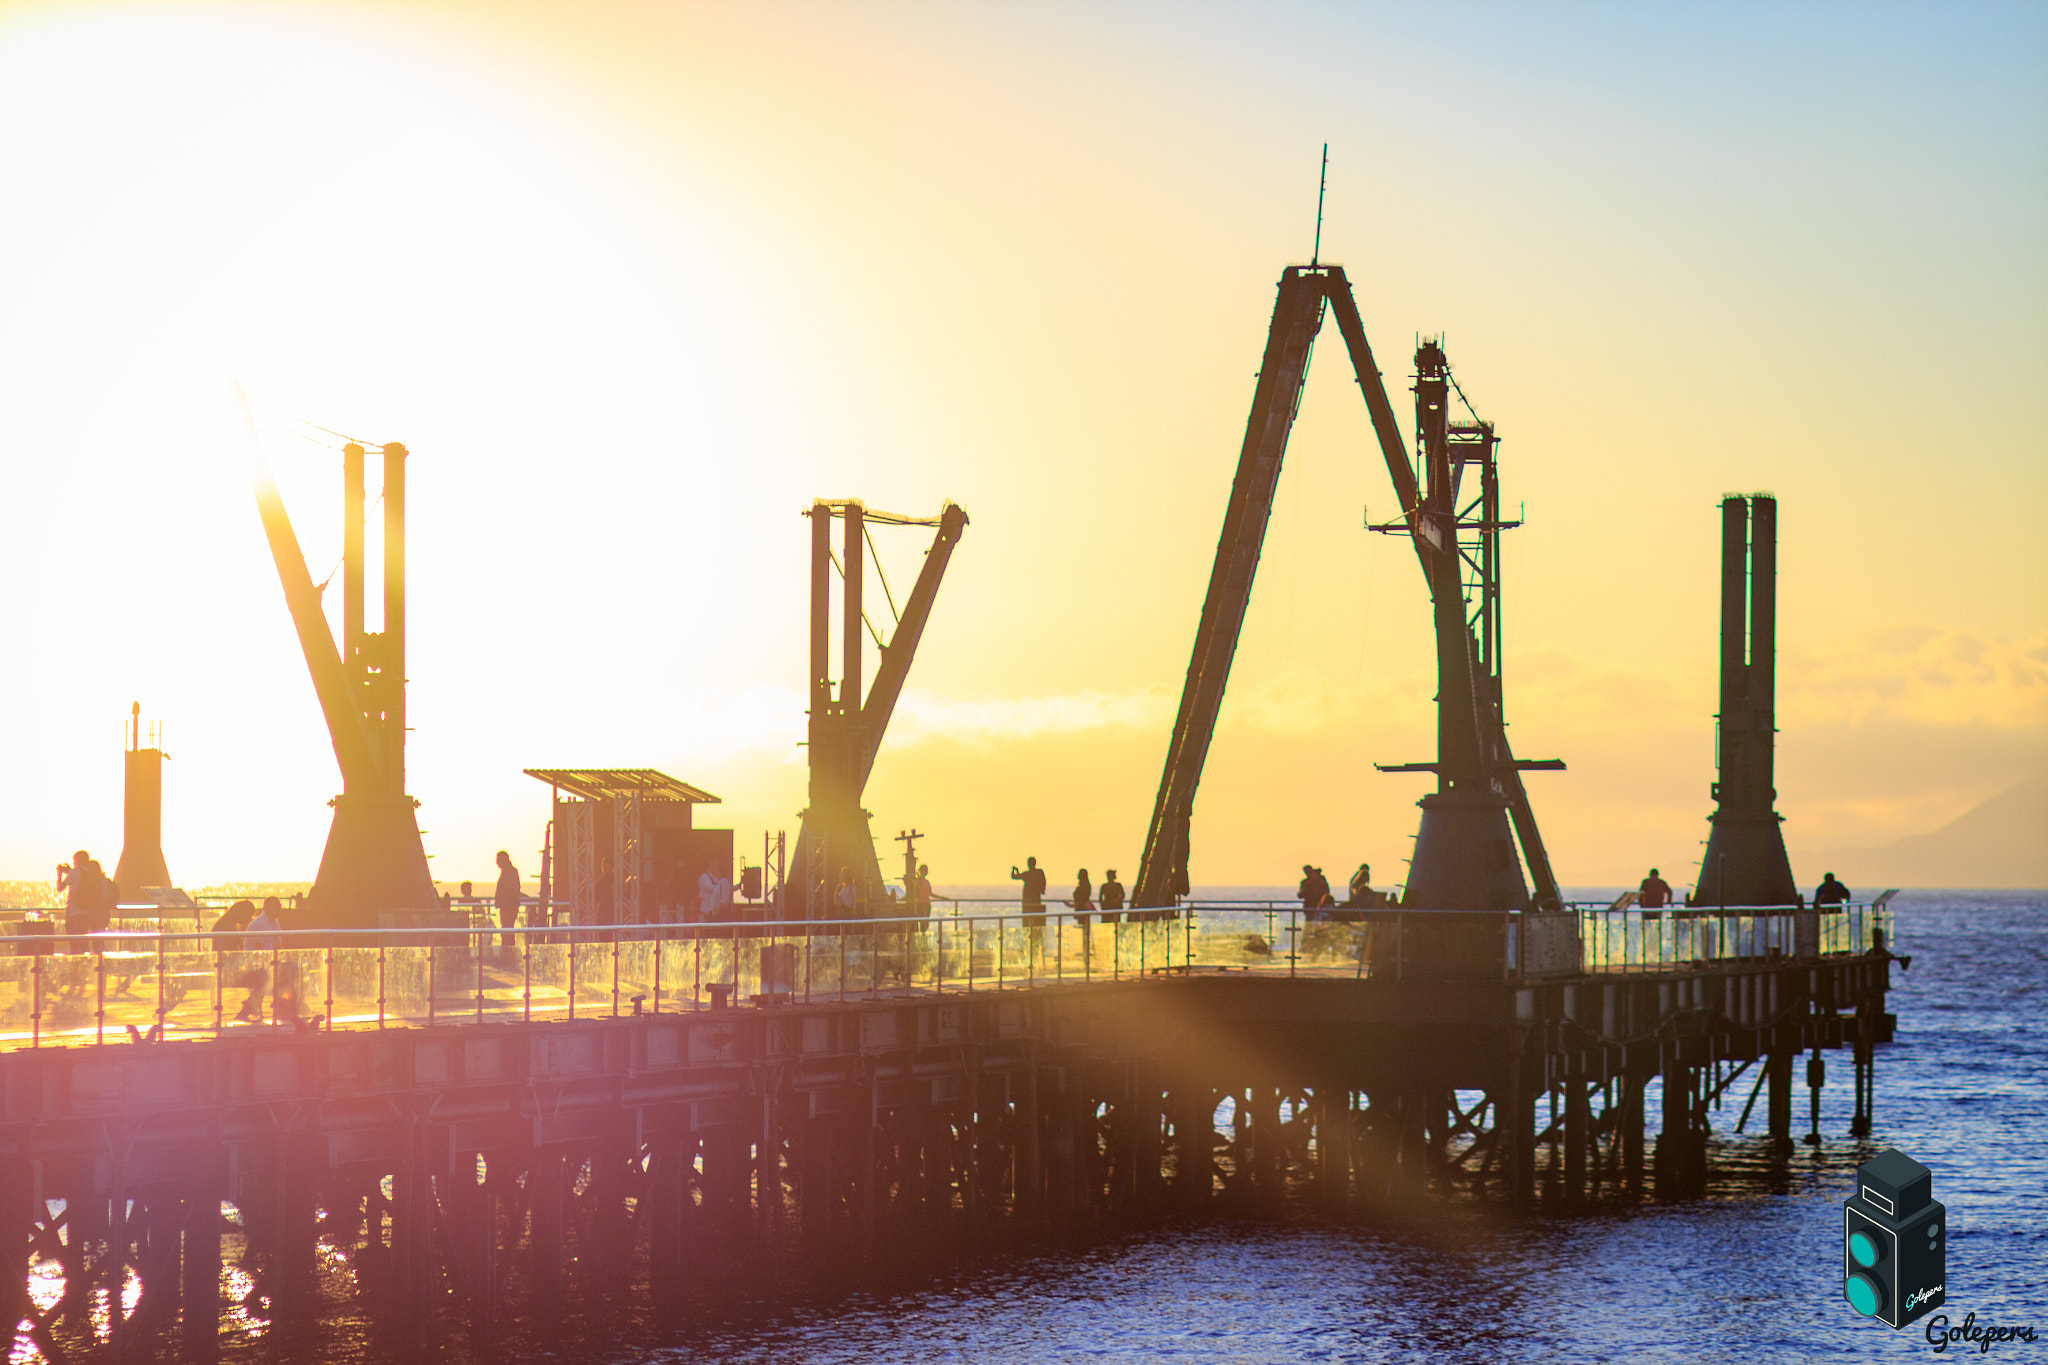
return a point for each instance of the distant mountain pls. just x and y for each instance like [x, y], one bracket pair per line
[2001, 843]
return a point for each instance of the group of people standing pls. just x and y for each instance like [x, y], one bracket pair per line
[246, 929]
[1315, 892]
[848, 902]
[1088, 899]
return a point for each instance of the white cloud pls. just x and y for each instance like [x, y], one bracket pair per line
[929, 715]
[1918, 672]
[766, 720]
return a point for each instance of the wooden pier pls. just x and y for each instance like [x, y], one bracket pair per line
[471, 1188]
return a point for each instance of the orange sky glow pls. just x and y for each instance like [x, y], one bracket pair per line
[635, 282]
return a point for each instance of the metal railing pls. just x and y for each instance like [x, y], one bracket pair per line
[135, 983]
[1678, 939]
[125, 984]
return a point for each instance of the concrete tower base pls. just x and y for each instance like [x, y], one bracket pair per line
[1465, 856]
[374, 862]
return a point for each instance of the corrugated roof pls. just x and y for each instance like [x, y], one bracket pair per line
[599, 784]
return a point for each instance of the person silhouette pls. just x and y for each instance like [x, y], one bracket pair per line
[920, 890]
[1033, 898]
[88, 896]
[1110, 895]
[1655, 893]
[231, 927]
[1314, 888]
[507, 897]
[1830, 892]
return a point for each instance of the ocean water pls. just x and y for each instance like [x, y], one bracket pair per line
[1748, 1273]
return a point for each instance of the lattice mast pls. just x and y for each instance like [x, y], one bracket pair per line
[1465, 851]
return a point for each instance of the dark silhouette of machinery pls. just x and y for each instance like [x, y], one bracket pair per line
[373, 870]
[1745, 862]
[845, 732]
[1465, 855]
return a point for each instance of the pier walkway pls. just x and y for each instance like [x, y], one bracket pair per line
[468, 1143]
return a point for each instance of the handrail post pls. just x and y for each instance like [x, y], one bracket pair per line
[330, 985]
[99, 1028]
[380, 982]
[526, 977]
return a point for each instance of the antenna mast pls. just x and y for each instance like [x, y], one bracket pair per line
[1322, 181]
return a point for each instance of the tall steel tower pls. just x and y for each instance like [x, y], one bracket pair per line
[1745, 862]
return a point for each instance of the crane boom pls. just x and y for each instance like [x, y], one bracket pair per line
[1383, 424]
[1297, 315]
[902, 647]
[353, 750]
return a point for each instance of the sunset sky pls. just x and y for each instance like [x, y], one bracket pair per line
[635, 282]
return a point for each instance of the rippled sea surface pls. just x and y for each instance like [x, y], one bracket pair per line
[1748, 1273]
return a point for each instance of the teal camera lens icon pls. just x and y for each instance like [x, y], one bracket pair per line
[1865, 1289]
[1894, 1261]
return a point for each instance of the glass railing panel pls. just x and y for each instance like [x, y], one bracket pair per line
[407, 972]
[544, 988]
[356, 976]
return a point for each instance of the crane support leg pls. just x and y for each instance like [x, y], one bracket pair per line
[1297, 314]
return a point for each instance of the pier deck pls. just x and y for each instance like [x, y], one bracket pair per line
[505, 1170]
